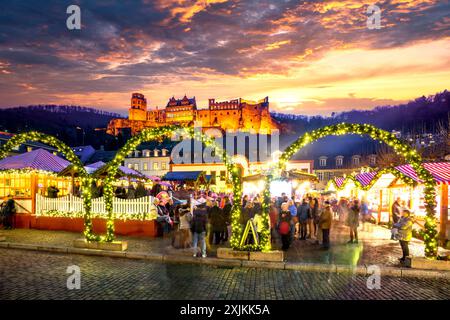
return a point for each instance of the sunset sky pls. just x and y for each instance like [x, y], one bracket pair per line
[309, 57]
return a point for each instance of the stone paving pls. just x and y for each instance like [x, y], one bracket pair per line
[375, 246]
[40, 275]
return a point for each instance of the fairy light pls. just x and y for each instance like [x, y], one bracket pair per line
[401, 148]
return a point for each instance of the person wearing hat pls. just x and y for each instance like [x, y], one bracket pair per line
[325, 224]
[404, 235]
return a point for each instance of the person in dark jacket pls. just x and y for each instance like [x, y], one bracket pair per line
[303, 214]
[52, 191]
[404, 226]
[8, 210]
[199, 221]
[226, 211]
[247, 213]
[217, 222]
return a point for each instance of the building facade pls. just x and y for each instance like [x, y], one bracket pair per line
[330, 166]
[238, 114]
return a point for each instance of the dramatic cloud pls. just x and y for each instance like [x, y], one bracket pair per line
[311, 57]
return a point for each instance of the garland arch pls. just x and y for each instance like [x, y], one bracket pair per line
[411, 156]
[63, 148]
[150, 134]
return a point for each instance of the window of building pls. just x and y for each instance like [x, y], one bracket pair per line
[320, 176]
[372, 160]
[339, 161]
[355, 161]
[155, 166]
[163, 165]
[323, 162]
[130, 166]
[155, 153]
[145, 166]
[164, 152]
[29, 149]
[223, 175]
[136, 166]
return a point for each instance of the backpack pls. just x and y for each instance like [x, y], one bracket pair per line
[284, 228]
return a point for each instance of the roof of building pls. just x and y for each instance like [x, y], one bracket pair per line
[39, 159]
[183, 176]
[84, 152]
[102, 155]
[7, 135]
[179, 102]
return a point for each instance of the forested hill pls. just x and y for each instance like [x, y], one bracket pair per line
[421, 114]
[72, 124]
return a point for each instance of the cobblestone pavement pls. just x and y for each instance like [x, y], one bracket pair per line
[39, 275]
[375, 246]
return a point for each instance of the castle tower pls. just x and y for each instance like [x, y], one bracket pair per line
[138, 108]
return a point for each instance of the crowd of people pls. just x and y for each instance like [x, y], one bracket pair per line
[291, 220]
[205, 218]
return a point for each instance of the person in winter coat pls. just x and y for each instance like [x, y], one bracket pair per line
[217, 222]
[52, 191]
[342, 210]
[284, 226]
[404, 235]
[8, 210]
[303, 213]
[273, 215]
[185, 218]
[227, 207]
[325, 225]
[353, 221]
[294, 219]
[198, 228]
[315, 214]
[247, 213]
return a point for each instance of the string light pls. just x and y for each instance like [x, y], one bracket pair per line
[401, 148]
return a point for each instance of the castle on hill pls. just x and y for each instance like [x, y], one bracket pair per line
[237, 114]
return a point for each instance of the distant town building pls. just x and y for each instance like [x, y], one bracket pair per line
[330, 166]
[238, 114]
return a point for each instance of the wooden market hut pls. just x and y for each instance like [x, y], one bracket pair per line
[294, 177]
[25, 175]
[383, 191]
[193, 179]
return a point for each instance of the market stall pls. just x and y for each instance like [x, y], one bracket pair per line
[293, 182]
[25, 175]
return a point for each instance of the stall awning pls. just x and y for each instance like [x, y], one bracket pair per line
[439, 170]
[183, 176]
[339, 181]
[38, 159]
[366, 177]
